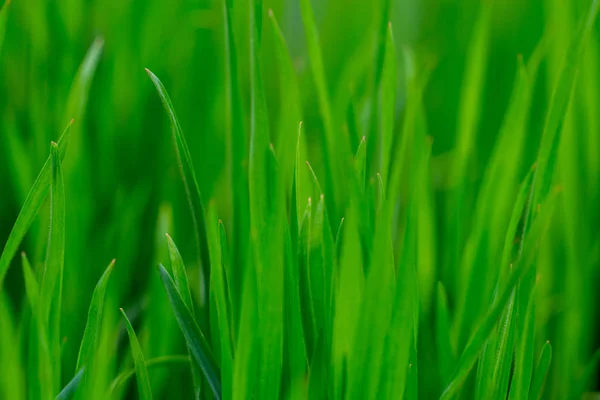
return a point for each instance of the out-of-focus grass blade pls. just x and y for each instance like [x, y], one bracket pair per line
[31, 284]
[190, 183]
[540, 373]
[78, 94]
[238, 153]
[445, 351]
[69, 391]
[561, 98]
[3, 19]
[13, 378]
[523, 266]
[586, 376]
[218, 294]
[289, 91]
[92, 327]
[334, 153]
[31, 207]
[194, 338]
[143, 382]
[163, 361]
[361, 163]
[388, 104]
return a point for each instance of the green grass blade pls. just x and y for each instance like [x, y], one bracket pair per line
[32, 287]
[523, 266]
[521, 380]
[559, 104]
[31, 207]
[69, 391]
[141, 372]
[163, 361]
[51, 289]
[388, 104]
[190, 183]
[194, 338]
[179, 274]
[586, 376]
[94, 320]
[361, 163]
[540, 373]
[219, 294]
[445, 351]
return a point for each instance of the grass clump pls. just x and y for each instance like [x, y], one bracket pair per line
[380, 227]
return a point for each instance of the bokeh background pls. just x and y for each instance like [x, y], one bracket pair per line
[122, 187]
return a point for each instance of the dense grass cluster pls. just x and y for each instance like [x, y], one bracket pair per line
[430, 230]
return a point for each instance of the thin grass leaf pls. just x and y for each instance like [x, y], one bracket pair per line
[190, 183]
[445, 350]
[541, 372]
[31, 207]
[94, 320]
[31, 284]
[69, 391]
[523, 368]
[361, 163]
[219, 296]
[164, 361]
[179, 274]
[141, 372]
[523, 266]
[194, 338]
[388, 103]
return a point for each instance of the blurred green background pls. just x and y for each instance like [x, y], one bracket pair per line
[122, 187]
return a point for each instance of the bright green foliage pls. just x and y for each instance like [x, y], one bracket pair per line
[383, 199]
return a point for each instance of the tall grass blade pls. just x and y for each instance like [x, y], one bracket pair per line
[69, 391]
[199, 348]
[141, 372]
[32, 287]
[190, 183]
[541, 372]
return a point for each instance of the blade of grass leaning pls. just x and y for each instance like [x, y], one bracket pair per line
[190, 183]
[141, 372]
[361, 163]
[182, 284]
[194, 338]
[92, 327]
[541, 372]
[523, 367]
[522, 267]
[69, 391]
[32, 287]
[163, 361]
[35, 198]
[31, 207]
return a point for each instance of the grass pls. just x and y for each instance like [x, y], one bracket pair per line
[361, 200]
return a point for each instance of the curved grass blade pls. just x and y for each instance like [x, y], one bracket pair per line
[522, 267]
[521, 380]
[69, 391]
[194, 338]
[31, 207]
[36, 196]
[163, 361]
[143, 382]
[31, 284]
[94, 320]
[540, 373]
[190, 183]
